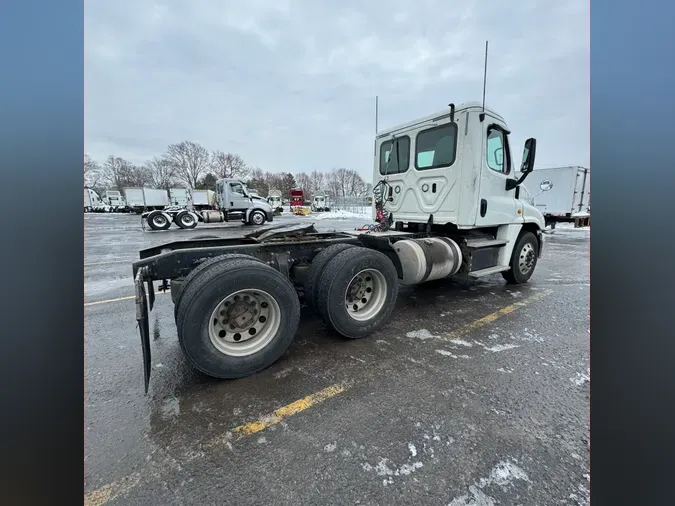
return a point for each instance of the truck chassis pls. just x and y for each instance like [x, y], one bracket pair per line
[298, 259]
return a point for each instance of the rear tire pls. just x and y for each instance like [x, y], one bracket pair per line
[158, 221]
[185, 220]
[198, 270]
[523, 259]
[316, 268]
[357, 292]
[237, 317]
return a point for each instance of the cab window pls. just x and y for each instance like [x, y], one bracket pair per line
[395, 155]
[237, 188]
[436, 147]
[497, 152]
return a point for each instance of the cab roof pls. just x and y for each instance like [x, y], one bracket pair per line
[444, 113]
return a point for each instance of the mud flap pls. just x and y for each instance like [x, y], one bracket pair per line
[143, 326]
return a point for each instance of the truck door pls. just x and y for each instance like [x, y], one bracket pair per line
[496, 205]
[238, 199]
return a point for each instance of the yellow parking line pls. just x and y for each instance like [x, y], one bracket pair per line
[108, 492]
[284, 412]
[117, 299]
[455, 334]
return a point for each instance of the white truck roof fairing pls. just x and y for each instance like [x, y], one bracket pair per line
[444, 113]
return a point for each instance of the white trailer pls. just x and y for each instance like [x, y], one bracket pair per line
[179, 197]
[146, 199]
[203, 200]
[561, 193]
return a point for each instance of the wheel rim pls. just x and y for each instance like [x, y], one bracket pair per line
[244, 322]
[159, 220]
[257, 218]
[366, 294]
[187, 220]
[527, 258]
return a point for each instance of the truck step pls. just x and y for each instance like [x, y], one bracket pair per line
[490, 270]
[485, 243]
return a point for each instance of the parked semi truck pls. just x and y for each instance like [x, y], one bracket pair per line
[234, 203]
[92, 201]
[274, 199]
[297, 198]
[321, 202]
[447, 204]
[562, 194]
[115, 201]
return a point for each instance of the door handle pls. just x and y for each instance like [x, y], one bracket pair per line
[483, 207]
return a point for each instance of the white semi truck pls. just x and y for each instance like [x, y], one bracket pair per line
[274, 199]
[447, 203]
[115, 200]
[234, 203]
[321, 202]
[92, 202]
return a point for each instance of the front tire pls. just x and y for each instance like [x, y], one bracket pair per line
[237, 318]
[158, 221]
[257, 218]
[523, 259]
[357, 292]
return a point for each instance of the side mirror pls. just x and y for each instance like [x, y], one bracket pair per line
[526, 166]
[529, 152]
[545, 185]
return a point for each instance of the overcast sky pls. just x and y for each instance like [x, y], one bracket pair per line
[290, 85]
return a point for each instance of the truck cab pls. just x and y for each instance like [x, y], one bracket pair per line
[452, 166]
[236, 202]
[321, 202]
[274, 199]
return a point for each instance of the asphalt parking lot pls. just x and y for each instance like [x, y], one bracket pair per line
[476, 393]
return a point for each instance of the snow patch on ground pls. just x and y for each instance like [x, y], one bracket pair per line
[581, 378]
[501, 347]
[447, 353]
[413, 450]
[460, 342]
[421, 334]
[504, 474]
[341, 215]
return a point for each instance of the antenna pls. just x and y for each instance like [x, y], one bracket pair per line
[485, 74]
[376, 112]
[376, 117]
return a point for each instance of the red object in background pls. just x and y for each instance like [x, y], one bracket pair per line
[297, 198]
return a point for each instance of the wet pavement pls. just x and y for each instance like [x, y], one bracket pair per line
[476, 393]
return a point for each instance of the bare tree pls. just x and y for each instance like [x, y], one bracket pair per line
[161, 173]
[226, 165]
[93, 173]
[317, 181]
[189, 160]
[304, 182]
[116, 171]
